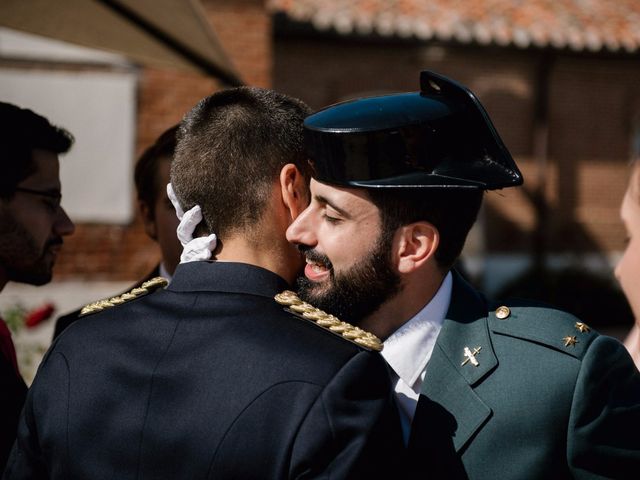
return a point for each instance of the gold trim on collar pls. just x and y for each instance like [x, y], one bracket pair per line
[147, 287]
[328, 321]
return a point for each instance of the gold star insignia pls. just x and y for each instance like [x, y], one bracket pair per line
[583, 327]
[570, 341]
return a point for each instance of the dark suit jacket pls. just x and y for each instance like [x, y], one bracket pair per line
[209, 378]
[67, 319]
[536, 407]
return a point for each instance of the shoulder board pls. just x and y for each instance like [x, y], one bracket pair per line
[542, 324]
[144, 289]
[318, 317]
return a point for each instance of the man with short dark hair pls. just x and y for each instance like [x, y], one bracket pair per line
[32, 225]
[32, 221]
[485, 390]
[211, 377]
[257, 147]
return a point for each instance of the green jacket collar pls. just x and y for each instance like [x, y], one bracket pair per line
[448, 382]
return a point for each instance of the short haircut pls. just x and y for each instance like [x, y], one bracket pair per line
[22, 131]
[148, 166]
[452, 211]
[231, 148]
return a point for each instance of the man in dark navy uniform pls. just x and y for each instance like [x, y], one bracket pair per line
[486, 390]
[211, 377]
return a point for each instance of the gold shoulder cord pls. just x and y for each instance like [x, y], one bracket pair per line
[325, 320]
[147, 287]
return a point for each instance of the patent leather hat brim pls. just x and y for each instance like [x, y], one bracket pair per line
[438, 137]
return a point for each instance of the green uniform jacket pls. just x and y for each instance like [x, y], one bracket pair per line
[548, 398]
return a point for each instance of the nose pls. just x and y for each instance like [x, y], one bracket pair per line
[63, 225]
[300, 232]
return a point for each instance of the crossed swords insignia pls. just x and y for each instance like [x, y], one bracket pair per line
[471, 356]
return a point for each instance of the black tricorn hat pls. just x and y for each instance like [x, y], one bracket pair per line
[438, 137]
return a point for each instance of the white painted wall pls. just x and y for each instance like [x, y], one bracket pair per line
[97, 106]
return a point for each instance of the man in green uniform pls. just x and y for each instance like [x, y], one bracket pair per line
[485, 390]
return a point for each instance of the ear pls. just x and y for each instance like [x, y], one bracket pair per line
[294, 189]
[148, 220]
[416, 244]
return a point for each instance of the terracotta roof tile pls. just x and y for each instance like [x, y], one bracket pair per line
[576, 24]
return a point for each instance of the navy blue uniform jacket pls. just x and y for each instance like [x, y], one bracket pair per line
[209, 378]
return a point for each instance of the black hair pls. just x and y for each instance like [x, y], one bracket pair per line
[231, 148]
[452, 211]
[147, 167]
[22, 131]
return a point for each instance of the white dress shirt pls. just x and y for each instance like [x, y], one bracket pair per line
[163, 272]
[408, 350]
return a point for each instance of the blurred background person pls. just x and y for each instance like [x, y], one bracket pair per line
[628, 268]
[158, 215]
[32, 227]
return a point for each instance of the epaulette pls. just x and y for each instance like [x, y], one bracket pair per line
[543, 325]
[327, 321]
[144, 289]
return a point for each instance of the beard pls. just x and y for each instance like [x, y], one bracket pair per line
[356, 293]
[20, 257]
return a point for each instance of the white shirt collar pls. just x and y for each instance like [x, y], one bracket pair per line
[409, 348]
[163, 272]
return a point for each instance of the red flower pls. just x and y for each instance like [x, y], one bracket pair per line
[37, 315]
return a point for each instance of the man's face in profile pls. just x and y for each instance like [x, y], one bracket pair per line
[32, 224]
[349, 271]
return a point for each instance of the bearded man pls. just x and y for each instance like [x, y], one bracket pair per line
[32, 227]
[486, 390]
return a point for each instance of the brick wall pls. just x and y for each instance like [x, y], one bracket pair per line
[123, 252]
[244, 28]
[592, 103]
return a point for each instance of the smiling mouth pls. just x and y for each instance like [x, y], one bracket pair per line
[315, 270]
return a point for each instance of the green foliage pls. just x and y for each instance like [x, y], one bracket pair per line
[14, 317]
